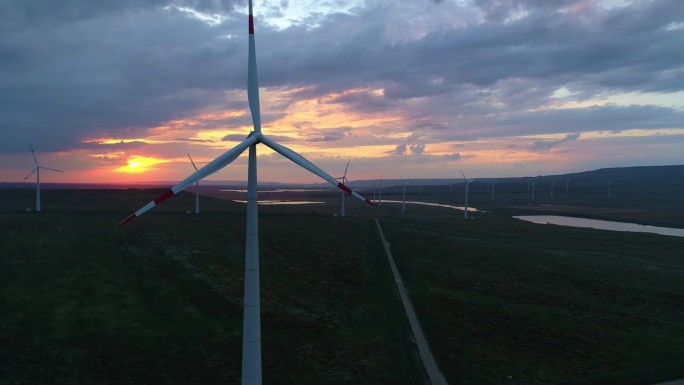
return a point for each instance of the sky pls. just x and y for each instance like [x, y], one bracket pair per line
[122, 91]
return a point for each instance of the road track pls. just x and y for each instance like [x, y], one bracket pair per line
[435, 376]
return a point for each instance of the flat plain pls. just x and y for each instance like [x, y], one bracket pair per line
[501, 301]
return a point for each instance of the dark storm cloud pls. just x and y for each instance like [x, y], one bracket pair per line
[454, 156]
[70, 69]
[545, 145]
[401, 147]
[563, 121]
[107, 72]
[626, 49]
[600, 118]
[417, 149]
[499, 10]
[194, 140]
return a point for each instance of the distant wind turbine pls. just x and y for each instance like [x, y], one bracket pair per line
[196, 187]
[403, 195]
[37, 172]
[343, 179]
[609, 183]
[251, 334]
[465, 206]
[380, 191]
[493, 183]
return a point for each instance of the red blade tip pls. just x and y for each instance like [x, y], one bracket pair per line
[166, 195]
[345, 188]
[130, 218]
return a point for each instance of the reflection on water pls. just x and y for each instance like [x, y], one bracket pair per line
[279, 202]
[281, 190]
[599, 224]
[433, 204]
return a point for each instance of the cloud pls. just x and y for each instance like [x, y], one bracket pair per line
[325, 138]
[545, 145]
[417, 149]
[194, 140]
[400, 149]
[473, 70]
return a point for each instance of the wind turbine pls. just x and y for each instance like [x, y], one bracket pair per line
[37, 172]
[403, 195]
[344, 179]
[493, 183]
[380, 191]
[467, 183]
[196, 187]
[251, 332]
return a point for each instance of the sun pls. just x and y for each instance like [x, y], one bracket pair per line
[139, 164]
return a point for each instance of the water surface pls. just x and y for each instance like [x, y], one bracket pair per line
[600, 224]
[433, 204]
[279, 202]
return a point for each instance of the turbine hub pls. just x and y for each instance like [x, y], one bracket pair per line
[258, 135]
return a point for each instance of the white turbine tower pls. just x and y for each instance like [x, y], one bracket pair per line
[37, 172]
[380, 191]
[343, 179]
[251, 333]
[196, 187]
[403, 195]
[465, 207]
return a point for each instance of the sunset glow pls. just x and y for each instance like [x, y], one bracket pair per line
[425, 90]
[139, 164]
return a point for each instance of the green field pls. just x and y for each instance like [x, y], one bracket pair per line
[509, 302]
[159, 301]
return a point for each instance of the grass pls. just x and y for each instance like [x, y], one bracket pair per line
[501, 301]
[159, 301]
[509, 302]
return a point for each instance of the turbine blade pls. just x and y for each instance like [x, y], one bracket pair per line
[32, 172]
[345, 171]
[252, 78]
[51, 169]
[34, 155]
[211, 167]
[300, 160]
[464, 175]
[193, 163]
